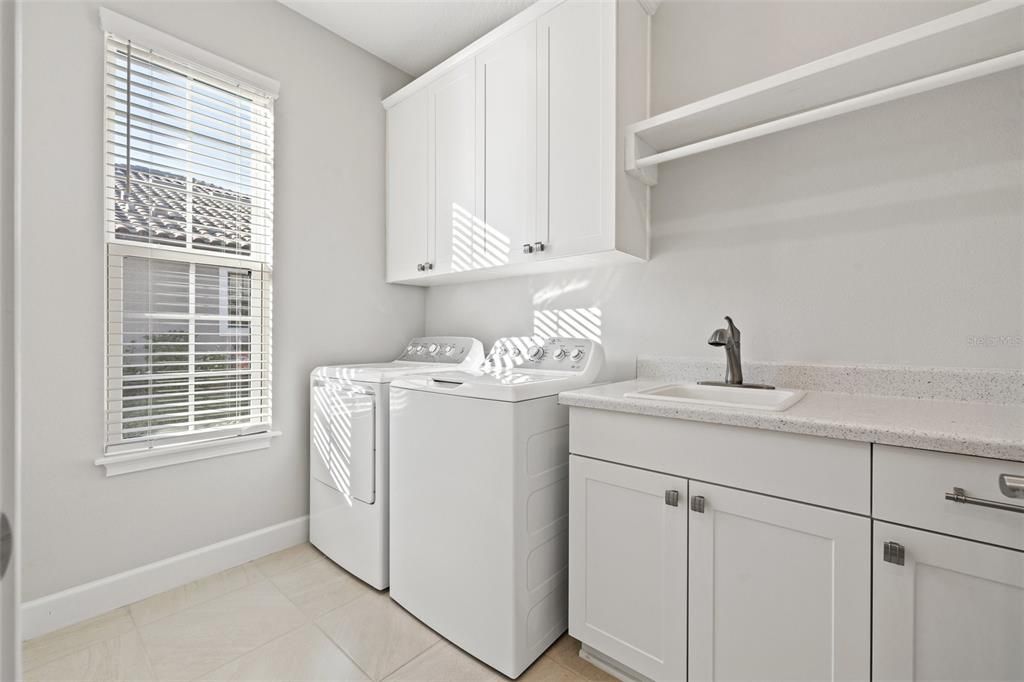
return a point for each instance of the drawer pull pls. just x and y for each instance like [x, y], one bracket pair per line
[960, 495]
[1012, 486]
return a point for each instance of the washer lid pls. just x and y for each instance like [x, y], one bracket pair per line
[502, 385]
[545, 368]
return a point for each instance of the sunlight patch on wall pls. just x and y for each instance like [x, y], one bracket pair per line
[551, 292]
[583, 323]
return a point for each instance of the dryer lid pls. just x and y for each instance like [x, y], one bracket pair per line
[380, 373]
[422, 354]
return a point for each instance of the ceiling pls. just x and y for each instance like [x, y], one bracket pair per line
[414, 35]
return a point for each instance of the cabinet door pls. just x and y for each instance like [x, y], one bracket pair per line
[506, 88]
[458, 240]
[778, 590]
[954, 609]
[408, 189]
[627, 566]
[576, 134]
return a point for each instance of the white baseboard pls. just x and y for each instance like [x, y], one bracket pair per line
[76, 604]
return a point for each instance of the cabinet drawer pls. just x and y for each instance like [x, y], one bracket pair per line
[822, 471]
[910, 488]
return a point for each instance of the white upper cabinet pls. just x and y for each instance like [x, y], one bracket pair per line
[458, 238]
[525, 171]
[409, 234]
[506, 86]
[576, 184]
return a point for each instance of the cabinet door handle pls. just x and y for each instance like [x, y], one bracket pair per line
[428, 265]
[538, 246]
[420, 267]
[697, 504]
[894, 553]
[1012, 486]
[527, 248]
[960, 495]
[672, 498]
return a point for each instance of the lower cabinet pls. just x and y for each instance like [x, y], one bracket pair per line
[675, 579]
[627, 565]
[946, 608]
[779, 590]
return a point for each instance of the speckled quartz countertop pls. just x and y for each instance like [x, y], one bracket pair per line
[987, 429]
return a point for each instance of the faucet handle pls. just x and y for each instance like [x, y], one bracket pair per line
[733, 330]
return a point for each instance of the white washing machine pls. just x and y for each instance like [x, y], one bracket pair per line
[479, 512]
[348, 451]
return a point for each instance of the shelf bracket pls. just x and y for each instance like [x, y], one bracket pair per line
[635, 149]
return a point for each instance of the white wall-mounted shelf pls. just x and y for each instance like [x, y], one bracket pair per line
[981, 40]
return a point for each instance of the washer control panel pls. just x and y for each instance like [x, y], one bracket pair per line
[446, 349]
[554, 354]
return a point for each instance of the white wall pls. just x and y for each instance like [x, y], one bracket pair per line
[889, 236]
[330, 300]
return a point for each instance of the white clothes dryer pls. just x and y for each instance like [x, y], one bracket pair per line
[348, 451]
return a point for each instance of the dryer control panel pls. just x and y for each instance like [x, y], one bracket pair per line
[444, 349]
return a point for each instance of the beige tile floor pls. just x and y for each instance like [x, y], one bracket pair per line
[293, 615]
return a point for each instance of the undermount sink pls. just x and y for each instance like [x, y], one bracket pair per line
[772, 400]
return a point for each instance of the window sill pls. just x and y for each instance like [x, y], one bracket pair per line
[169, 455]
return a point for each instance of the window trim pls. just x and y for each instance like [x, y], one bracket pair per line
[178, 453]
[118, 24]
[216, 444]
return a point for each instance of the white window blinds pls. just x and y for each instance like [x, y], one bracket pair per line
[189, 224]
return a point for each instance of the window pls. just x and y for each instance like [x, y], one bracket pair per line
[188, 229]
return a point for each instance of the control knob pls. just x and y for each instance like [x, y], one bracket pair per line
[576, 355]
[433, 348]
[536, 353]
[560, 354]
[449, 349]
[516, 352]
